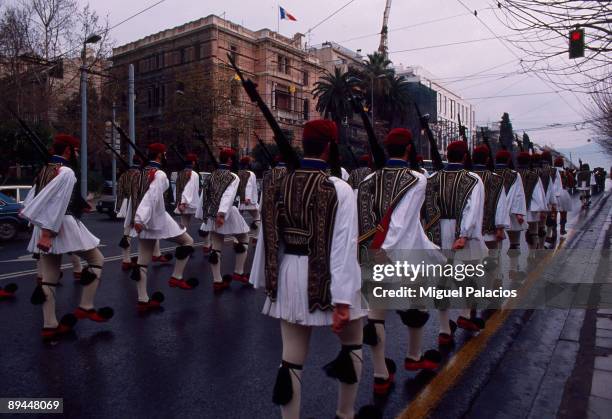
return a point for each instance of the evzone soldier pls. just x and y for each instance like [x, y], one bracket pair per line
[247, 192]
[151, 223]
[535, 198]
[54, 208]
[517, 210]
[453, 215]
[360, 173]
[127, 187]
[584, 180]
[496, 214]
[187, 191]
[542, 163]
[389, 203]
[306, 259]
[221, 218]
[564, 200]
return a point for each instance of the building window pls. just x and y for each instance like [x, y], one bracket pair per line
[180, 87]
[306, 78]
[283, 64]
[306, 109]
[282, 98]
[163, 95]
[149, 97]
[234, 53]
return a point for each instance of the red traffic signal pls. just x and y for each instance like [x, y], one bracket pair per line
[576, 43]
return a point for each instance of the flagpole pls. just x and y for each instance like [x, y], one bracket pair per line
[278, 17]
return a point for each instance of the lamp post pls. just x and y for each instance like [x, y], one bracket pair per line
[90, 40]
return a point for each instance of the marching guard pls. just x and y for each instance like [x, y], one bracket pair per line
[54, 208]
[220, 218]
[564, 200]
[151, 223]
[389, 203]
[247, 192]
[187, 191]
[535, 198]
[306, 259]
[358, 174]
[454, 205]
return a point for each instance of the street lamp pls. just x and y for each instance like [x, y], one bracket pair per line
[90, 40]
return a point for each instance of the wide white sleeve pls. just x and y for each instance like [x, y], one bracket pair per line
[538, 198]
[471, 221]
[517, 193]
[558, 184]
[191, 191]
[47, 209]
[152, 205]
[251, 188]
[405, 218]
[227, 200]
[345, 174]
[502, 213]
[30, 196]
[257, 276]
[344, 267]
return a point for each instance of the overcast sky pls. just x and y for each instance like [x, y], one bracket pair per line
[364, 17]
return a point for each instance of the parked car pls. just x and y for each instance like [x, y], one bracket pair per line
[106, 203]
[17, 192]
[10, 222]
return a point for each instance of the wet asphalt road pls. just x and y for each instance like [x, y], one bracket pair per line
[203, 356]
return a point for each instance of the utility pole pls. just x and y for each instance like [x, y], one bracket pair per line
[90, 40]
[114, 161]
[131, 103]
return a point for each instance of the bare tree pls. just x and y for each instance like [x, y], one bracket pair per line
[601, 109]
[541, 29]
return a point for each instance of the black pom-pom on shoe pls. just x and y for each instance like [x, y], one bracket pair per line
[38, 296]
[106, 312]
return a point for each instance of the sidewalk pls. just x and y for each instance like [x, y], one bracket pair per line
[560, 363]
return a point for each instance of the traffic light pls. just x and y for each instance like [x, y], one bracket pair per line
[576, 43]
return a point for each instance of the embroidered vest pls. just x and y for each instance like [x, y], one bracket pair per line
[305, 216]
[213, 191]
[76, 205]
[530, 180]
[509, 177]
[445, 198]
[493, 185]
[357, 176]
[182, 178]
[244, 176]
[377, 197]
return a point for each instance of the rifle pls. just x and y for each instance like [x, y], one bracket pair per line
[214, 160]
[178, 153]
[485, 140]
[462, 134]
[81, 203]
[377, 152]
[284, 147]
[127, 138]
[265, 150]
[112, 150]
[518, 143]
[436, 158]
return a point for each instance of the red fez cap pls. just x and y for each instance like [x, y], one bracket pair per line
[245, 160]
[320, 130]
[278, 158]
[157, 148]
[419, 158]
[192, 157]
[66, 139]
[457, 146]
[365, 158]
[546, 156]
[398, 136]
[503, 156]
[480, 154]
[559, 162]
[523, 157]
[536, 157]
[226, 153]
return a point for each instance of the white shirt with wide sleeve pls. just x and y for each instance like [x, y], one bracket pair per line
[538, 203]
[234, 222]
[152, 214]
[250, 192]
[47, 210]
[517, 204]
[502, 215]
[292, 298]
[471, 226]
[190, 196]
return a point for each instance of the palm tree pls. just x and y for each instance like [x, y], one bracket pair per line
[332, 93]
[397, 101]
